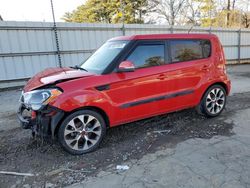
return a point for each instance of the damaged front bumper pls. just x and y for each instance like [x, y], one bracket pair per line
[43, 122]
[26, 122]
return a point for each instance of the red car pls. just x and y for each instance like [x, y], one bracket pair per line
[127, 79]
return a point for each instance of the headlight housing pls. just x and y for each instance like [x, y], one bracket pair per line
[37, 98]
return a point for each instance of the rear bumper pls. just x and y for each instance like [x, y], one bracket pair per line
[45, 122]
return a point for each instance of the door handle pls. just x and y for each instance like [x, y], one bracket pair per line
[205, 68]
[161, 77]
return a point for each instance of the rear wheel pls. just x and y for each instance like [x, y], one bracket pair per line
[81, 132]
[213, 101]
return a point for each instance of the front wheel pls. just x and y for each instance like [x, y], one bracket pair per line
[213, 101]
[81, 132]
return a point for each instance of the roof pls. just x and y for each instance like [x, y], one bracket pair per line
[165, 36]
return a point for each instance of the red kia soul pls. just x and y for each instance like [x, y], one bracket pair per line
[127, 79]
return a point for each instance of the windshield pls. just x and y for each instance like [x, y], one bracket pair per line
[101, 59]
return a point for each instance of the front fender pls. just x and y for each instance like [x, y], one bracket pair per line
[76, 99]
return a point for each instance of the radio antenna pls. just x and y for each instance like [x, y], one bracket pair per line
[190, 29]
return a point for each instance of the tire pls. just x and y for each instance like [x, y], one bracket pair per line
[82, 132]
[213, 102]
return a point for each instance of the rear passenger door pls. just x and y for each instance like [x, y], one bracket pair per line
[189, 65]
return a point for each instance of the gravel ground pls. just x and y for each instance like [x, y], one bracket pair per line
[53, 167]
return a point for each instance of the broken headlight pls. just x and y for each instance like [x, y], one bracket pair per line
[37, 98]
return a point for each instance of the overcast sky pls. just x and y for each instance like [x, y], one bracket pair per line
[35, 10]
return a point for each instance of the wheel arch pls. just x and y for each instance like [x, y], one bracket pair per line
[222, 84]
[94, 108]
[199, 107]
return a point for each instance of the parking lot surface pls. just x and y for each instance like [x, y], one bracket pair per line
[180, 149]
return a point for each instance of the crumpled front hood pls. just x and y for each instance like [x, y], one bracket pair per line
[52, 75]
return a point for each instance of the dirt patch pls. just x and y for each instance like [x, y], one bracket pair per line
[20, 153]
[243, 74]
[8, 115]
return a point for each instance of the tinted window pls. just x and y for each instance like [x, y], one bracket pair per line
[147, 55]
[186, 50]
[206, 48]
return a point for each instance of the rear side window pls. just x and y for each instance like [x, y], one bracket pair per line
[147, 55]
[187, 50]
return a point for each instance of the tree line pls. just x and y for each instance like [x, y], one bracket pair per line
[214, 13]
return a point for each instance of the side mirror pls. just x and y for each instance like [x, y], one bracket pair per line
[126, 66]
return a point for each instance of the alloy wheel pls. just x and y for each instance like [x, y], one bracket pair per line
[82, 132]
[215, 101]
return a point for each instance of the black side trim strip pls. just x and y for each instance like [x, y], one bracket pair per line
[103, 87]
[131, 104]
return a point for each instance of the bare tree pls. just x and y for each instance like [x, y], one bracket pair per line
[222, 13]
[228, 11]
[246, 19]
[246, 13]
[192, 12]
[168, 10]
[230, 8]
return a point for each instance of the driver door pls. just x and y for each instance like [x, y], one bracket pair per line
[134, 93]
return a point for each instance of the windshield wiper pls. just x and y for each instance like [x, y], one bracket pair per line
[78, 67]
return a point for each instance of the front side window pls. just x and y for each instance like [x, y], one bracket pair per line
[187, 50]
[147, 55]
[102, 58]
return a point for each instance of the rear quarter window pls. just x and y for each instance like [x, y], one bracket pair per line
[187, 50]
